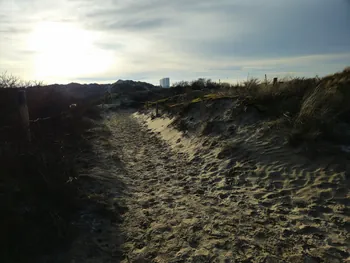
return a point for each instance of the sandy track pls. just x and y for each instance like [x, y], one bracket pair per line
[181, 208]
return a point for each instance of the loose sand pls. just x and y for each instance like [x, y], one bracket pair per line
[182, 199]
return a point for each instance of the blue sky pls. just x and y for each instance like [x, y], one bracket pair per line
[101, 41]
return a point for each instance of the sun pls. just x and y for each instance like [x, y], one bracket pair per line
[64, 51]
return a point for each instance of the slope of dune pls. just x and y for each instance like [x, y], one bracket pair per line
[270, 202]
[222, 178]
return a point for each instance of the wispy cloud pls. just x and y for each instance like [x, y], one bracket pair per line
[149, 39]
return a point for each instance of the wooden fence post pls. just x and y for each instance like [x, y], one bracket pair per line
[24, 114]
[157, 113]
[275, 81]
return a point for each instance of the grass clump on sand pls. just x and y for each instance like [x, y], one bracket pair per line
[311, 108]
[325, 108]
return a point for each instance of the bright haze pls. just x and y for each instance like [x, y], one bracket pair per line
[60, 41]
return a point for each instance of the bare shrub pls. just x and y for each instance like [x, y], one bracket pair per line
[10, 81]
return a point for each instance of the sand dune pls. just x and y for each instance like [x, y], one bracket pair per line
[275, 203]
[177, 197]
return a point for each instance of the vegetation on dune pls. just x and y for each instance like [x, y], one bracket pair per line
[11, 81]
[39, 186]
[310, 107]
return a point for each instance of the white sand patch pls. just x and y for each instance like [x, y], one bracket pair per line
[176, 139]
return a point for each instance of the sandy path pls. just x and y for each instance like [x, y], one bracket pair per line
[167, 206]
[182, 210]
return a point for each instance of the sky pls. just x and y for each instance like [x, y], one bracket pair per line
[89, 41]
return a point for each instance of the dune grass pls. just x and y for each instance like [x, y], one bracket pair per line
[39, 186]
[313, 106]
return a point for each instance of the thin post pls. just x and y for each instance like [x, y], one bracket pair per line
[157, 114]
[275, 81]
[24, 114]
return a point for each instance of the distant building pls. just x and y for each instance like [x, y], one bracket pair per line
[165, 83]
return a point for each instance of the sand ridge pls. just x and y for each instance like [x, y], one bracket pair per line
[202, 208]
[174, 197]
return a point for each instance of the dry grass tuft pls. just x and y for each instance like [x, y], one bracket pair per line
[312, 108]
[39, 185]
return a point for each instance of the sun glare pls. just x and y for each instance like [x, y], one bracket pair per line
[65, 51]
